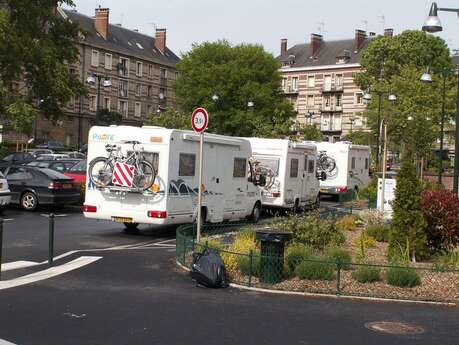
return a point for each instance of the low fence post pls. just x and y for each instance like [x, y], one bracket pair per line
[1, 246]
[183, 250]
[250, 266]
[51, 239]
[339, 265]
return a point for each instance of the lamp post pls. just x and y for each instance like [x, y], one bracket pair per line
[391, 98]
[309, 114]
[433, 24]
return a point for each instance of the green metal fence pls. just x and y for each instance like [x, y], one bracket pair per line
[335, 277]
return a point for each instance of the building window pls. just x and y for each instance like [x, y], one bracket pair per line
[295, 83]
[163, 73]
[123, 88]
[123, 108]
[149, 91]
[92, 103]
[294, 168]
[327, 101]
[107, 103]
[95, 58]
[149, 107]
[138, 69]
[71, 102]
[339, 80]
[358, 98]
[327, 82]
[338, 100]
[138, 89]
[138, 109]
[108, 61]
[150, 71]
[284, 83]
[187, 164]
[123, 67]
[239, 167]
[311, 81]
[310, 101]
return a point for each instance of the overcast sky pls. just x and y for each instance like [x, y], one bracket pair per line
[267, 21]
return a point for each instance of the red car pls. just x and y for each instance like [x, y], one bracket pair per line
[78, 172]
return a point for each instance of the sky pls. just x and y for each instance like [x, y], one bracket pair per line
[265, 22]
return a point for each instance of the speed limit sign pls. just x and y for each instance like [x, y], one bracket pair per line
[199, 120]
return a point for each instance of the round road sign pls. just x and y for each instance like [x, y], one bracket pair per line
[199, 120]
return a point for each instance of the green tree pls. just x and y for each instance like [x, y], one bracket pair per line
[170, 118]
[408, 225]
[238, 75]
[302, 132]
[36, 46]
[360, 137]
[105, 117]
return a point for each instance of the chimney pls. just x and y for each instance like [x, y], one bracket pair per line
[160, 40]
[360, 37]
[283, 46]
[101, 21]
[389, 32]
[314, 46]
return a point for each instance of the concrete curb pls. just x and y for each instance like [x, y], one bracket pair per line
[319, 295]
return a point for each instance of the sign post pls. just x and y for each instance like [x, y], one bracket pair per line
[199, 122]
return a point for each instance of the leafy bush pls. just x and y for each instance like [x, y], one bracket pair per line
[295, 254]
[365, 240]
[372, 217]
[402, 277]
[315, 270]
[244, 242]
[380, 233]
[312, 230]
[369, 192]
[244, 263]
[212, 244]
[440, 209]
[448, 261]
[333, 254]
[347, 223]
[367, 274]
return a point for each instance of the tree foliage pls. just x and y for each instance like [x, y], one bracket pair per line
[301, 132]
[237, 75]
[170, 119]
[105, 117]
[36, 44]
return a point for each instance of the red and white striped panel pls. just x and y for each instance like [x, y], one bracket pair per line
[123, 174]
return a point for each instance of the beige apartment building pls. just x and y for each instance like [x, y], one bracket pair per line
[317, 78]
[134, 71]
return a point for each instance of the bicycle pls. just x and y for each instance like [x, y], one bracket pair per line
[101, 168]
[326, 163]
[264, 176]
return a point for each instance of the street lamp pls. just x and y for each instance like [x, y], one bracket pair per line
[433, 24]
[250, 104]
[309, 114]
[106, 82]
[215, 98]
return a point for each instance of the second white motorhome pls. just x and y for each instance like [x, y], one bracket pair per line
[346, 166]
[293, 165]
[172, 198]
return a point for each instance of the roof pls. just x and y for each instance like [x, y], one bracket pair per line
[455, 60]
[327, 54]
[123, 41]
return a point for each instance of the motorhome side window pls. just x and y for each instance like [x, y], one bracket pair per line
[353, 163]
[187, 164]
[294, 168]
[311, 166]
[305, 168]
[240, 167]
[366, 163]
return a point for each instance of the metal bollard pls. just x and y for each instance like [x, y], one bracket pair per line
[51, 239]
[1, 245]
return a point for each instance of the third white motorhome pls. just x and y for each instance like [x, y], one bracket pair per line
[347, 167]
[293, 165]
[172, 199]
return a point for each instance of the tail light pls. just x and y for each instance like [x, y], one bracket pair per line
[89, 208]
[276, 194]
[342, 189]
[157, 214]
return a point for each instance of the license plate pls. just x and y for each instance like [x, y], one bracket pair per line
[67, 186]
[324, 190]
[122, 219]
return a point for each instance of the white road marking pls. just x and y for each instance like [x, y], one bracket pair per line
[49, 273]
[46, 215]
[9, 266]
[4, 342]
[7, 220]
[172, 239]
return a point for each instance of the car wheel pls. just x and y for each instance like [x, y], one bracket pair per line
[29, 201]
[131, 228]
[256, 212]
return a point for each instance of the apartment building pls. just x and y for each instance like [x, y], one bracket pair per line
[317, 78]
[134, 72]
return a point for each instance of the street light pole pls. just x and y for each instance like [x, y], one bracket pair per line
[442, 126]
[456, 150]
[378, 137]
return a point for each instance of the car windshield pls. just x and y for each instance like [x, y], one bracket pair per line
[39, 164]
[79, 167]
[54, 175]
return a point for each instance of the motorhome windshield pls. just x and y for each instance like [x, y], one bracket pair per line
[272, 164]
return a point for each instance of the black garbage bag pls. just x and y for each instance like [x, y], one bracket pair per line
[208, 269]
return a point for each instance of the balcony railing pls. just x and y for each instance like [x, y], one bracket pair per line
[333, 126]
[332, 88]
[290, 89]
[331, 108]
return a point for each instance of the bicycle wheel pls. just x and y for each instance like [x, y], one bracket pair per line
[144, 175]
[100, 171]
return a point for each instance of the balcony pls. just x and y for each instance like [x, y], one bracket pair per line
[290, 90]
[331, 108]
[329, 88]
[331, 126]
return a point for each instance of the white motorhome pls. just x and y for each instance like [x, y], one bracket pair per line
[293, 165]
[172, 199]
[348, 167]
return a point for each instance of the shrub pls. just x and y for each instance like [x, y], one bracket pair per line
[315, 270]
[333, 254]
[243, 244]
[372, 217]
[347, 223]
[365, 240]
[440, 209]
[295, 254]
[402, 277]
[367, 274]
[369, 192]
[448, 261]
[212, 244]
[243, 262]
[379, 232]
[312, 230]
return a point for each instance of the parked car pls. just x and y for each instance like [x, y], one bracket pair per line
[57, 165]
[5, 194]
[52, 157]
[52, 145]
[39, 152]
[78, 172]
[74, 154]
[31, 186]
[17, 158]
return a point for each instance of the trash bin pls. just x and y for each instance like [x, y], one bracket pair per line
[272, 254]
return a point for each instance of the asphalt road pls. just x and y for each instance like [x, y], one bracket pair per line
[138, 296]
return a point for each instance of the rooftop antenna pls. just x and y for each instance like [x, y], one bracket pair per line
[365, 22]
[122, 19]
[321, 28]
[382, 20]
